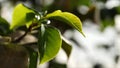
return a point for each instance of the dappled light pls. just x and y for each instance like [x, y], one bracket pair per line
[60, 33]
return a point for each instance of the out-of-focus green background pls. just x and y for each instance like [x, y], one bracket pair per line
[101, 25]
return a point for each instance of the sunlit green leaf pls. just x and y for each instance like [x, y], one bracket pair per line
[51, 43]
[68, 18]
[66, 46]
[21, 16]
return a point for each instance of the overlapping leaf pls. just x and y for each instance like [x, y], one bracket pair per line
[4, 26]
[21, 16]
[66, 46]
[68, 18]
[49, 44]
[33, 55]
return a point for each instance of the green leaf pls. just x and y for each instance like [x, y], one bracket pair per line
[22, 15]
[66, 45]
[84, 2]
[33, 55]
[49, 43]
[68, 18]
[41, 42]
[4, 26]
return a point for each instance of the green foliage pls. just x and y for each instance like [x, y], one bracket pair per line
[4, 26]
[33, 58]
[51, 43]
[118, 9]
[84, 2]
[68, 18]
[49, 38]
[66, 46]
[107, 22]
[21, 16]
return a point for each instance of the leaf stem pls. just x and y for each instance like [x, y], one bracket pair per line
[20, 38]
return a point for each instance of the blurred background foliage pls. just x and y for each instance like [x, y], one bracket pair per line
[97, 11]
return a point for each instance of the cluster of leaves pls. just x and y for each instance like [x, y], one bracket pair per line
[50, 39]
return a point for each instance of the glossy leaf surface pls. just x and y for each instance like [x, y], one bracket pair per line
[21, 16]
[68, 18]
[49, 43]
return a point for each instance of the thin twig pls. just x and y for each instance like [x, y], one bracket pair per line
[20, 38]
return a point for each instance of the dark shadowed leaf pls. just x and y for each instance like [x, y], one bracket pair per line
[33, 56]
[41, 41]
[4, 26]
[66, 46]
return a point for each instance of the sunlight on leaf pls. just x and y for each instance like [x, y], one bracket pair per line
[21, 16]
[68, 18]
[52, 44]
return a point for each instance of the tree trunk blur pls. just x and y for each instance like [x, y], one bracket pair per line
[13, 56]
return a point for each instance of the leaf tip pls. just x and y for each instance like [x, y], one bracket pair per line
[83, 34]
